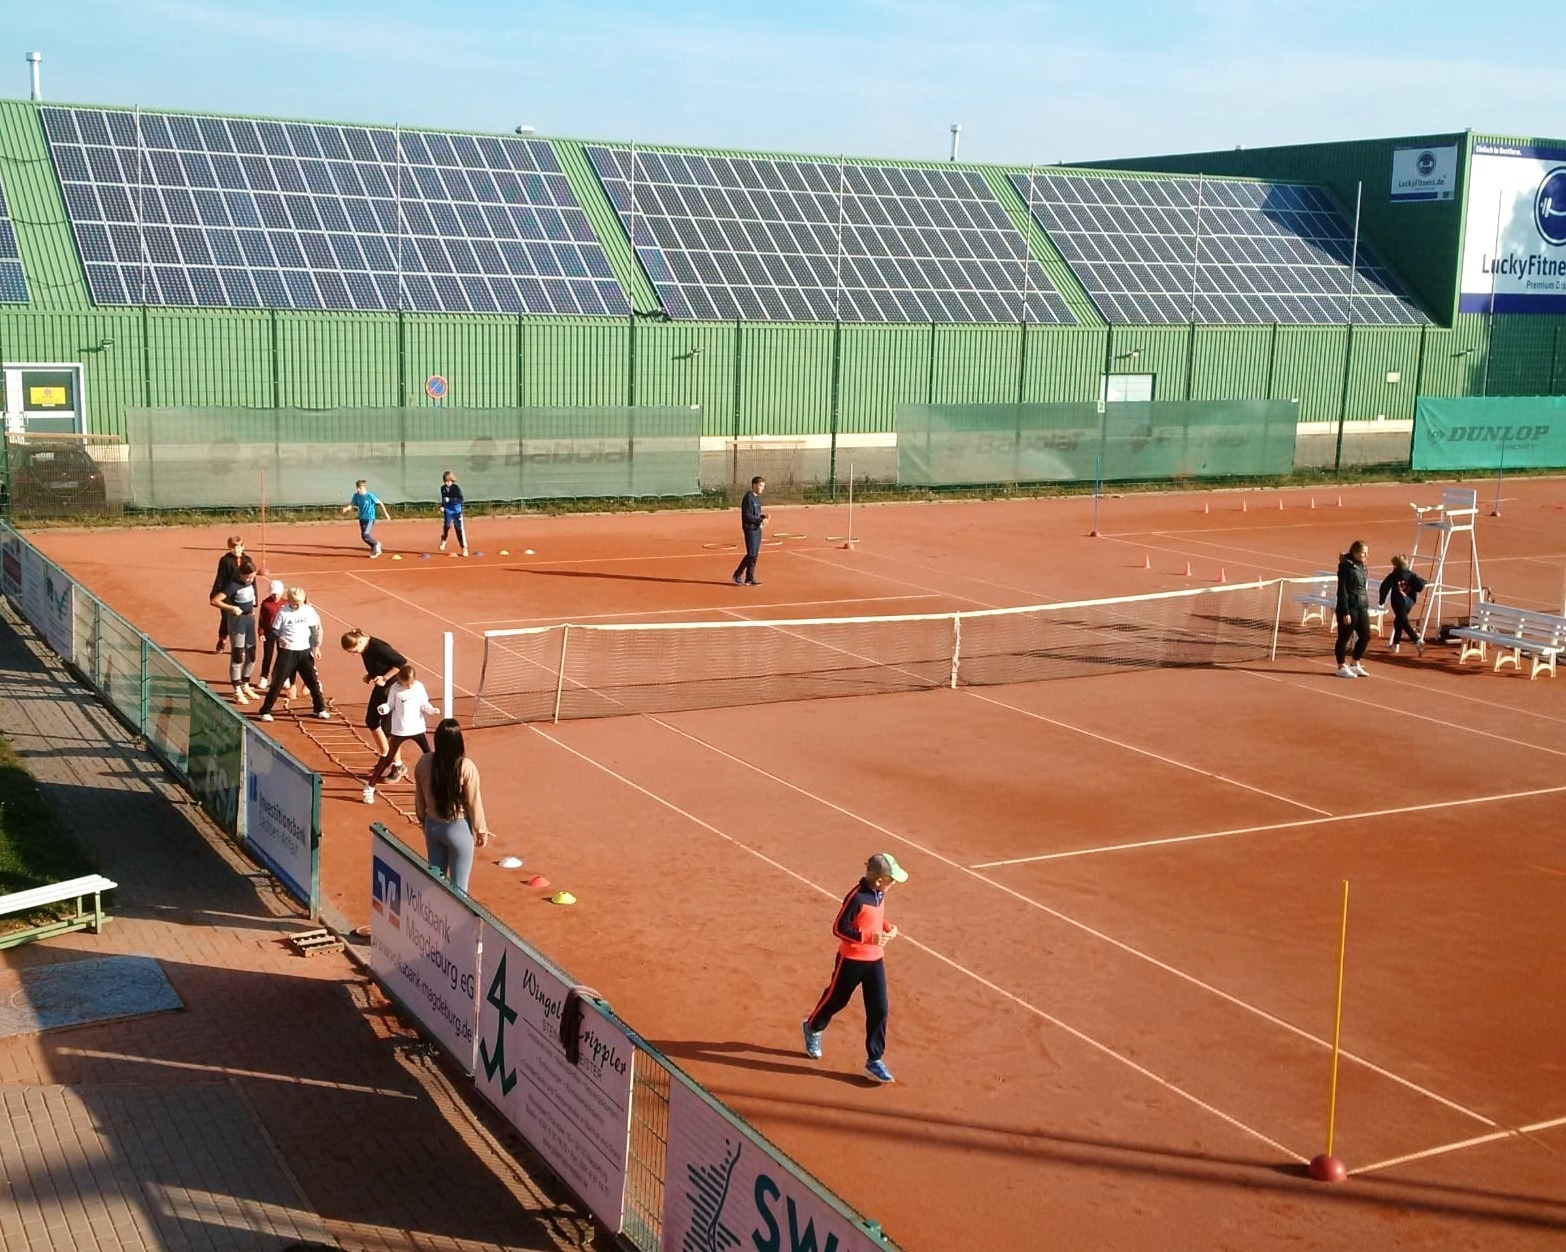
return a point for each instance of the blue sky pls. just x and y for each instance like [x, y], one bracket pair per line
[1029, 81]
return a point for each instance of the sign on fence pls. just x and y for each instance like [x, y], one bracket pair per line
[279, 812]
[1489, 432]
[424, 947]
[577, 1115]
[722, 1189]
[216, 745]
[41, 592]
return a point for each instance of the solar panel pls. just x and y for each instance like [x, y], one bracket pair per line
[1220, 251]
[13, 282]
[773, 239]
[233, 213]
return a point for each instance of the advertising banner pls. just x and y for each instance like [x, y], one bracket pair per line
[1514, 238]
[1424, 173]
[575, 1112]
[11, 546]
[424, 946]
[279, 813]
[1489, 432]
[215, 763]
[722, 1189]
[47, 602]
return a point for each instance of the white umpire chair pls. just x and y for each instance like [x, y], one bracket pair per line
[1435, 528]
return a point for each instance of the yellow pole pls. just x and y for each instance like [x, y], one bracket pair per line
[1337, 1023]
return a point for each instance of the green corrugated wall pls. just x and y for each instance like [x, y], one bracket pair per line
[778, 378]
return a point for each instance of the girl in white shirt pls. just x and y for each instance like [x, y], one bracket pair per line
[407, 705]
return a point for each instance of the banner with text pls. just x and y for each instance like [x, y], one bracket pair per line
[1514, 236]
[723, 1189]
[1489, 432]
[424, 946]
[216, 761]
[44, 595]
[1424, 173]
[280, 814]
[577, 1114]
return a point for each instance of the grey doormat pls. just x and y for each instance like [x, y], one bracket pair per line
[76, 993]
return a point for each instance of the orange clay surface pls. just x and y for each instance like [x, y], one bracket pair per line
[1112, 1001]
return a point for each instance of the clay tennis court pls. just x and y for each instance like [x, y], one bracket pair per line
[1112, 1001]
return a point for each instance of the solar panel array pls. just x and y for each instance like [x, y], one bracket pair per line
[225, 212]
[13, 282]
[1169, 250]
[764, 239]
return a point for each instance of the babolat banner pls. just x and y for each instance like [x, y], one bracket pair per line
[1497, 432]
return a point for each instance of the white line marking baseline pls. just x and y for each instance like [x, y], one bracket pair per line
[1461, 1144]
[1102, 1048]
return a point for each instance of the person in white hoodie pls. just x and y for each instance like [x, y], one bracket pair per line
[407, 705]
[298, 628]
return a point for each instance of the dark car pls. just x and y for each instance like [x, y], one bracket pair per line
[53, 478]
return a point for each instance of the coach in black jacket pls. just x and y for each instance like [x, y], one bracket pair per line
[1353, 610]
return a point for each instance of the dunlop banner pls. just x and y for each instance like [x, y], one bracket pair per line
[1490, 432]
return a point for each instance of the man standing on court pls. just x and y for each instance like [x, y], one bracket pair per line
[1353, 611]
[751, 518]
[862, 933]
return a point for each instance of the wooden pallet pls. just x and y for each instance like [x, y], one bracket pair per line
[314, 942]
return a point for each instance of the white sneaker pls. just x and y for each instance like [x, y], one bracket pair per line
[375, 551]
[261, 684]
[442, 547]
[1345, 671]
[369, 795]
[240, 697]
[1396, 648]
[1419, 646]
[1360, 671]
[265, 717]
[324, 714]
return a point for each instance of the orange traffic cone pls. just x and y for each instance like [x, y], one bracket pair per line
[1187, 569]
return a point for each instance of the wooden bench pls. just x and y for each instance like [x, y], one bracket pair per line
[1513, 632]
[36, 898]
[1321, 605]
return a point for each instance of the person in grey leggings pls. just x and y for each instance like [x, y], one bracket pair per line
[448, 803]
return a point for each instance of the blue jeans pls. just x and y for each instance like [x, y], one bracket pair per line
[364, 532]
[450, 847]
[746, 569]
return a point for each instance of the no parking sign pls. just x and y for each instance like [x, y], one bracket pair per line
[435, 387]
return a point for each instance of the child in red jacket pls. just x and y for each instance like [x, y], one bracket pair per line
[863, 933]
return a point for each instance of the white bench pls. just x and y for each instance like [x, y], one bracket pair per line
[1513, 631]
[35, 898]
[1321, 605]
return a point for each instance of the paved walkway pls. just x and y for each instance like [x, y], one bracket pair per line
[286, 1105]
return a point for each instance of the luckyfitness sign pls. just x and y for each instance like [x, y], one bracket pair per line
[1514, 238]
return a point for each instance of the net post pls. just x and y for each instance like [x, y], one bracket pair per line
[565, 636]
[448, 649]
[1277, 620]
[264, 569]
[956, 646]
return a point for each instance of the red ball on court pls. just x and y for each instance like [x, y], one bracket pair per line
[1326, 1168]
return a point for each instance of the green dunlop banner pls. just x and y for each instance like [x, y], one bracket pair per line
[1489, 432]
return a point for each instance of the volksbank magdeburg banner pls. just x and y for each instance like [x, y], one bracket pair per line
[578, 1116]
[1492, 433]
[1514, 236]
[424, 946]
[722, 1189]
[1424, 173]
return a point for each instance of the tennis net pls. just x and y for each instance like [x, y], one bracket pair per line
[567, 671]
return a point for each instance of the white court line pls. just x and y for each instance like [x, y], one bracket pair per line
[1079, 925]
[1463, 1143]
[414, 604]
[778, 604]
[1337, 693]
[1129, 747]
[1256, 830]
[939, 591]
[1102, 1048]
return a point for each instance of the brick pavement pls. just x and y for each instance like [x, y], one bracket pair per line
[287, 1102]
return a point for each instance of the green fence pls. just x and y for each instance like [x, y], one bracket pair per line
[974, 444]
[237, 457]
[1499, 433]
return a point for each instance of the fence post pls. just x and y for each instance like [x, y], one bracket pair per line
[141, 709]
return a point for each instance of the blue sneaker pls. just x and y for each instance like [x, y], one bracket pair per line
[812, 1040]
[878, 1071]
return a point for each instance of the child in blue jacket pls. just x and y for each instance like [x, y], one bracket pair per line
[1403, 586]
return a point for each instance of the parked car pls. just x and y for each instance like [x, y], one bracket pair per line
[53, 478]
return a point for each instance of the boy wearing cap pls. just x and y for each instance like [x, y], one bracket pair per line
[862, 932]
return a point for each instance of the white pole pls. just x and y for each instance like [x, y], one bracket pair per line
[447, 651]
[850, 502]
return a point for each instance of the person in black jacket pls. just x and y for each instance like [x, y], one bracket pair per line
[1353, 611]
[227, 568]
[751, 518]
[1404, 586]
